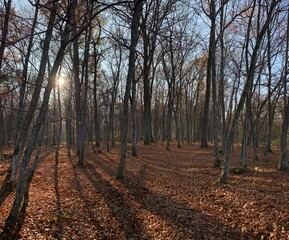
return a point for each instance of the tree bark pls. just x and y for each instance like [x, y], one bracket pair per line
[212, 67]
[95, 113]
[4, 32]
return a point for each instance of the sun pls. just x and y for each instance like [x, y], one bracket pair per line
[61, 81]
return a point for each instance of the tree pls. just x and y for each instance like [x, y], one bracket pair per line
[24, 125]
[283, 162]
[137, 10]
[10, 230]
[151, 24]
[248, 86]
[4, 33]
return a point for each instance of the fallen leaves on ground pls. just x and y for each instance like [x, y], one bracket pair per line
[165, 195]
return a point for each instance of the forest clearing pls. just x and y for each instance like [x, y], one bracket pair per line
[165, 195]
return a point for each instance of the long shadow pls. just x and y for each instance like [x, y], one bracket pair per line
[101, 232]
[7, 186]
[126, 218]
[59, 213]
[186, 222]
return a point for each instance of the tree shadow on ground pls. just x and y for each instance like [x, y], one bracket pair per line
[186, 223]
[87, 203]
[59, 213]
[118, 203]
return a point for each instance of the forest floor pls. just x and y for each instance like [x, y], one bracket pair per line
[165, 195]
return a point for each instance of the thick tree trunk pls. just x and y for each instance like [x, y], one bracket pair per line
[147, 105]
[4, 32]
[205, 120]
[157, 122]
[78, 107]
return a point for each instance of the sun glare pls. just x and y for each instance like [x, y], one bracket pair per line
[61, 81]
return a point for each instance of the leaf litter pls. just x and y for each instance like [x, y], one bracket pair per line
[165, 195]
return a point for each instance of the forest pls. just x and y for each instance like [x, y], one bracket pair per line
[144, 119]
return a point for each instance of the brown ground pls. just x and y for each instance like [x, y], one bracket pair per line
[165, 195]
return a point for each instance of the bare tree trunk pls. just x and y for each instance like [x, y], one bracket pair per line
[213, 75]
[95, 114]
[205, 121]
[248, 85]
[270, 107]
[2, 127]
[78, 110]
[58, 138]
[178, 119]
[130, 78]
[133, 116]
[222, 78]
[13, 218]
[4, 33]
[283, 161]
[169, 118]
[23, 128]
[246, 134]
[10, 228]
[54, 121]
[68, 125]
[156, 121]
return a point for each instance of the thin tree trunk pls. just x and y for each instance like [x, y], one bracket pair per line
[246, 134]
[283, 161]
[95, 114]
[22, 132]
[130, 78]
[68, 125]
[178, 120]
[13, 218]
[58, 138]
[133, 116]
[213, 75]
[248, 85]
[169, 118]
